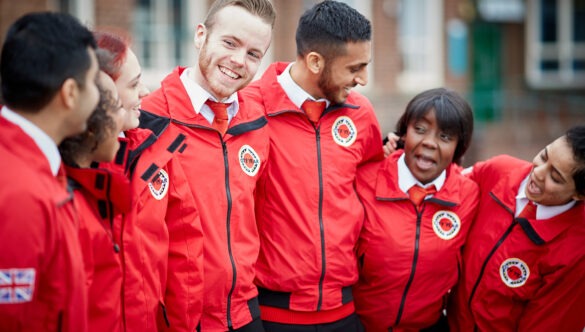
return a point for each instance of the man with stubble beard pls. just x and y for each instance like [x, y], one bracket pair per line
[309, 216]
[227, 149]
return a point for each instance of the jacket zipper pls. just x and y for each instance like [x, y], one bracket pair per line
[491, 253]
[229, 241]
[414, 262]
[321, 226]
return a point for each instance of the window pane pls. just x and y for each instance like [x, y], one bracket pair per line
[549, 65]
[579, 20]
[579, 65]
[142, 31]
[548, 14]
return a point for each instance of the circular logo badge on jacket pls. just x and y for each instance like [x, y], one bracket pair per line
[514, 272]
[446, 224]
[344, 131]
[249, 160]
[159, 185]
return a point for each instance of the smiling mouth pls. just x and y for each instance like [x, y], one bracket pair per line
[229, 73]
[424, 163]
[532, 188]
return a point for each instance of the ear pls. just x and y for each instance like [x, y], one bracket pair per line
[315, 62]
[200, 35]
[69, 93]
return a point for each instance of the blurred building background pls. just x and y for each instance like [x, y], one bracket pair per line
[521, 63]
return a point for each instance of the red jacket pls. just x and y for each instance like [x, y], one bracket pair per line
[101, 197]
[309, 216]
[41, 269]
[518, 274]
[222, 176]
[409, 258]
[161, 233]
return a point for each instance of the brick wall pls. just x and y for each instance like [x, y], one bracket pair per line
[114, 13]
[10, 10]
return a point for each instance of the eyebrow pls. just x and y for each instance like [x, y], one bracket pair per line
[136, 78]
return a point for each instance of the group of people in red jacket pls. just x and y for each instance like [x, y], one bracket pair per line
[220, 204]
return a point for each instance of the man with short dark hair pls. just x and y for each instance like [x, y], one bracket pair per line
[309, 216]
[48, 70]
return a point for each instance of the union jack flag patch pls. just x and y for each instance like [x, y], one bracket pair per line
[16, 285]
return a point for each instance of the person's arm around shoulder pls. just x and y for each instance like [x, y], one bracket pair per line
[558, 305]
[184, 288]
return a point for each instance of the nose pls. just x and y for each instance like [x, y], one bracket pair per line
[143, 91]
[238, 56]
[430, 141]
[539, 171]
[362, 77]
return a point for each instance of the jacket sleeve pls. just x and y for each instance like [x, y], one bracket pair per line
[30, 243]
[184, 289]
[559, 304]
[373, 144]
[86, 244]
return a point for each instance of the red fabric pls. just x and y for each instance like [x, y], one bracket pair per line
[417, 193]
[529, 211]
[509, 281]
[223, 172]
[101, 197]
[283, 316]
[409, 262]
[38, 228]
[161, 233]
[308, 213]
[220, 120]
[314, 109]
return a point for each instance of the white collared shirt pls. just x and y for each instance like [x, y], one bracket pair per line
[199, 96]
[406, 180]
[293, 91]
[542, 211]
[43, 141]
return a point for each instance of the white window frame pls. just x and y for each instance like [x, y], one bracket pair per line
[565, 50]
[84, 10]
[162, 60]
[430, 46]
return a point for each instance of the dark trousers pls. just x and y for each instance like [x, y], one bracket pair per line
[350, 323]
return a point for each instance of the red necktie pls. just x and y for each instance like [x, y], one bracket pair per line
[529, 211]
[313, 109]
[417, 193]
[220, 120]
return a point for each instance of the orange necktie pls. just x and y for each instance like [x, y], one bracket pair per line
[529, 211]
[417, 193]
[220, 120]
[313, 109]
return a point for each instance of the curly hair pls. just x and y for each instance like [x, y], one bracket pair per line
[99, 125]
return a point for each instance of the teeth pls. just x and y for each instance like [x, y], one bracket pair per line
[228, 72]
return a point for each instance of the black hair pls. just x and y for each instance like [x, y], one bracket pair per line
[328, 26]
[40, 52]
[576, 139]
[453, 113]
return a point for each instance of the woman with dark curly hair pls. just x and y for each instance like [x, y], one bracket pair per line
[101, 197]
